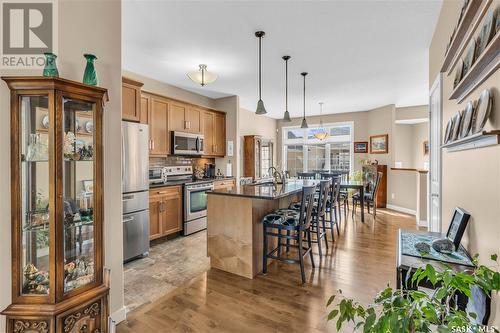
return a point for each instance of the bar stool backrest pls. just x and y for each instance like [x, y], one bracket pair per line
[306, 206]
[334, 187]
[246, 180]
[306, 175]
[324, 192]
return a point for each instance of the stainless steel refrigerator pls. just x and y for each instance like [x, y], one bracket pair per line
[135, 188]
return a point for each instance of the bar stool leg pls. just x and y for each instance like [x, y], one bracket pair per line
[264, 255]
[288, 241]
[323, 219]
[279, 244]
[309, 243]
[301, 259]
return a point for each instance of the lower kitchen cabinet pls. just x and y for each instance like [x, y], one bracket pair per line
[165, 211]
[227, 184]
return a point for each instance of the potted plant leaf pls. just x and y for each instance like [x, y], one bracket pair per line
[398, 311]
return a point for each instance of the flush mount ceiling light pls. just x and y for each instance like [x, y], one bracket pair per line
[202, 76]
[260, 104]
[304, 122]
[286, 117]
[321, 133]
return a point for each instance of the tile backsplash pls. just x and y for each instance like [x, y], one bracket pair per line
[180, 160]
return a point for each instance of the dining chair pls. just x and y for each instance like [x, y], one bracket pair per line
[370, 197]
[297, 224]
[333, 201]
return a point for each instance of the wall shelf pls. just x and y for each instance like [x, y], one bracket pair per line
[460, 33]
[470, 33]
[478, 140]
[487, 63]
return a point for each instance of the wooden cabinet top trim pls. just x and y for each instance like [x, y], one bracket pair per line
[132, 82]
[204, 108]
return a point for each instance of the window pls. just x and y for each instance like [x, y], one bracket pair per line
[266, 158]
[303, 152]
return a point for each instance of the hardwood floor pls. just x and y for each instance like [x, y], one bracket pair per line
[361, 262]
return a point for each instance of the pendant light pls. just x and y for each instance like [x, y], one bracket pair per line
[260, 104]
[304, 122]
[202, 76]
[321, 132]
[286, 117]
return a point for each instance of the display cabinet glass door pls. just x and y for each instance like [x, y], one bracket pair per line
[78, 193]
[34, 186]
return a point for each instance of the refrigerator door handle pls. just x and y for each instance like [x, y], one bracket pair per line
[130, 219]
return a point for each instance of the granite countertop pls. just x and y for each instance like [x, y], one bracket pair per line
[182, 182]
[266, 191]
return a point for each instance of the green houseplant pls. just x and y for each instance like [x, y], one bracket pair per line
[398, 311]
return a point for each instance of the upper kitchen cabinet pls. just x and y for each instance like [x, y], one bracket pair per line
[214, 133]
[158, 126]
[184, 117]
[131, 99]
[145, 109]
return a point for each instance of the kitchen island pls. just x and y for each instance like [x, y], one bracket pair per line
[234, 228]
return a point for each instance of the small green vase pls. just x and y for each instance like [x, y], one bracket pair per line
[90, 76]
[50, 68]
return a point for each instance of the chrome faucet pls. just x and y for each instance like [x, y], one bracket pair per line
[278, 177]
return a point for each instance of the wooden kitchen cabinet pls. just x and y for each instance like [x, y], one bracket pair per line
[145, 109]
[227, 184]
[165, 211]
[158, 127]
[214, 133]
[184, 117]
[220, 134]
[131, 99]
[193, 119]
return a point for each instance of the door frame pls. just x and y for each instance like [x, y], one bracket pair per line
[435, 149]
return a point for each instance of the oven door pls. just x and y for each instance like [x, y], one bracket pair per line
[187, 143]
[196, 201]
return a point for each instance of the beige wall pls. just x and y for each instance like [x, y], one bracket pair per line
[252, 124]
[230, 105]
[470, 178]
[168, 90]
[101, 36]
[412, 112]
[408, 145]
[420, 134]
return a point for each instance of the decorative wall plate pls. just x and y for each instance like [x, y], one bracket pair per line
[487, 32]
[483, 111]
[448, 131]
[467, 119]
[89, 126]
[456, 126]
[45, 121]
[469, 58]
[458, 74]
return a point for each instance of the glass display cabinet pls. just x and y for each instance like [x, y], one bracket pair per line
[58, 282]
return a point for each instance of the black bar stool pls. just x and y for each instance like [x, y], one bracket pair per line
[333, 198]
[297, 225]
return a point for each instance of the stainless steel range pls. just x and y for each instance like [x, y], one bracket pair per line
[195, 197]
[195, 206]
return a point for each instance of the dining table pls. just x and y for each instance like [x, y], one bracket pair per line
[356, 185]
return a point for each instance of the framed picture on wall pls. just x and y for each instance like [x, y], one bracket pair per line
[361, 146]
[379, 144]
[457, 226]
[426, 147]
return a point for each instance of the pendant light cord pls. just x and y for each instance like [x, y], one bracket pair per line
[304, 96]
[260, 68]
[286, 85]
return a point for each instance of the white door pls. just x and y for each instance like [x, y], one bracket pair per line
[434, 188]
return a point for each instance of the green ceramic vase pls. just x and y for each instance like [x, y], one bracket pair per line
[90, 76]
[50, 68]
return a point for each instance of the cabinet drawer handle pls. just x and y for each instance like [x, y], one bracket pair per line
[162, 192]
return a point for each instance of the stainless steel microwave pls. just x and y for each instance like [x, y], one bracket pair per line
[187, 143]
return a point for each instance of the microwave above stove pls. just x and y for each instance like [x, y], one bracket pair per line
[187, 143]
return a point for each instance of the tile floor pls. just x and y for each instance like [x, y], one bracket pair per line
[169, 265]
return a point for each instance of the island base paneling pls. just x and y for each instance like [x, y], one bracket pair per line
[234, 232]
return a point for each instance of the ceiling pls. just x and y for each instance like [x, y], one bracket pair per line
[359, 54]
